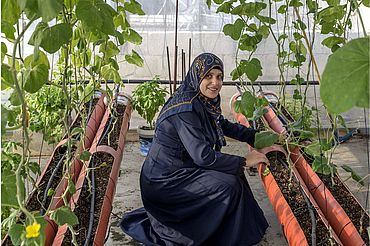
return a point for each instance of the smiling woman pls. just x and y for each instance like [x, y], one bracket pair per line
[193, 194]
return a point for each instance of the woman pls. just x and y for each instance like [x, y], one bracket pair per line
[192, 193]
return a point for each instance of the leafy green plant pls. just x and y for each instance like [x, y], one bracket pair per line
[86, 36]
[148, 97]
[46, 108]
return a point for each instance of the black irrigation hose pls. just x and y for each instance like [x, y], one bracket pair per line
[310, 208]
[49, 184]
[92, 201]
[50, 181]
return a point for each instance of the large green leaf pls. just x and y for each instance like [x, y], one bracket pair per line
[135, 59]
[89, 14]
[32, 60]
[49, 9]
[54, 37]
[234, 30]
[64, 215]
[247, 104]
[253, 69]
[265, 139]
[10, 11]
[8, 30]
[110, 73]
[36, 78]
[15, 233]
[109, 49]
[7, 79]
[249, 9]
[345, 80]
[322, 165]
[132, 36]
[9, 189]
[134, 7]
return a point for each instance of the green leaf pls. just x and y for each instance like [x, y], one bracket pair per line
[15, 232]
[14, 98]
[253, 69]
[49, 9]
[71, 187]
[282, 9]
[32, 61]
[51, 192]
[234, 30]
[7, 79]
[9, 189]
[265, 139]
[264, 31]
[345, 80]
[4, 50]
[36, 78]
[331, 41]
[110, 73]
[89, 14]
[54, 37]
[132, 36]
[266, 19]
[320, 165]
[295, 3]
[10, 11]
[209, 2]
[64, 215]
[342, 122]
[367, 4]
[354, 175]
[134, 7]
[247, 104]
[85, 155]
[135, 59]
[224, 8]
[8, 30]
[109, 49]
[249, 9]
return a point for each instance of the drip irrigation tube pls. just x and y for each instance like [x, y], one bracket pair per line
[49, 184]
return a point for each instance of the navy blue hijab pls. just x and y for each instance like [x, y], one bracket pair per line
[189, 90]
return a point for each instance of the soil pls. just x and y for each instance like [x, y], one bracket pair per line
[355, 212]
[103, 163]
[113, 128]
[295, 197]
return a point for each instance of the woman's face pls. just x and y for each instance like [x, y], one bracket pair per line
[211, 84]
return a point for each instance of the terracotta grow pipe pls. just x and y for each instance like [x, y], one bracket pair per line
[331, 209]
[90, 131]
[291, 227]
[106, 208]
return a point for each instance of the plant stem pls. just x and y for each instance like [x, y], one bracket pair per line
[19, 91]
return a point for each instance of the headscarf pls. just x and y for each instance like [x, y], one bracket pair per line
[189, 90]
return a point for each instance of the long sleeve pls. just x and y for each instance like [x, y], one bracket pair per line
[191, 134]
[238, 131]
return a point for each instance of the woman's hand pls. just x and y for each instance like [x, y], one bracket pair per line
[254, 157]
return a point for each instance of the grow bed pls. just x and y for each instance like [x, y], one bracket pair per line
[296, 199]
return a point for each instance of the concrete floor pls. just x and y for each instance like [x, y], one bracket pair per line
[352, 153]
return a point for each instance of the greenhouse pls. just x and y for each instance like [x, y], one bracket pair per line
[185, 122]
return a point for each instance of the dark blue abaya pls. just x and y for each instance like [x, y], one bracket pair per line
[192, 193]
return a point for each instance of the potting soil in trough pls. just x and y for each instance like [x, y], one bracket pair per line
[294, 196]
[350, 205]
[113, 127]
[103, 165]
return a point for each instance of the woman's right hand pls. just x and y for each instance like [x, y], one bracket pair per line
[254, 157]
